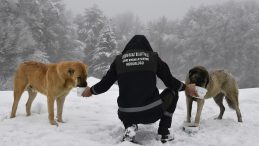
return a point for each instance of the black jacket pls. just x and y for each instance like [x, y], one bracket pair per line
[136, 70]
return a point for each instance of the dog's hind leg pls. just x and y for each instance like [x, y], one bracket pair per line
[32, 95]
[233, 103]
[219, 101]
[19, 87]
[239, 116]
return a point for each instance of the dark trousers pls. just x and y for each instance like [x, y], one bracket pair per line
[169, 99]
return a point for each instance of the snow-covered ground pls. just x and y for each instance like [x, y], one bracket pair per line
[93, 121]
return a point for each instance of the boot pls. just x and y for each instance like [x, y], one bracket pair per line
[130, 132]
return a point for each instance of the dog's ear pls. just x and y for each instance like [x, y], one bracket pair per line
[71, 71]
[86, 69]
[191, 72]
[86, 66]
[207, 79]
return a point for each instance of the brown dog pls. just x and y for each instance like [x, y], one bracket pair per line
[219, 83]
[53, 80]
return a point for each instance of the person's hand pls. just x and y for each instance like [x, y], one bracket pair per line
[87, 92]
[191, 91]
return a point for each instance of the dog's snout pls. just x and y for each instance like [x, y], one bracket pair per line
[83, 84]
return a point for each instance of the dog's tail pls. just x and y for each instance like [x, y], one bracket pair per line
[231, 89]
[20, 81]
[232, 99]
[230, 103]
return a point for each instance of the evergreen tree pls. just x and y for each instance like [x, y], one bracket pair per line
[126, 25]
[15, 41]
[222, 36]
[89, 27]
[34, 30]
[58, 33]
[105, 52]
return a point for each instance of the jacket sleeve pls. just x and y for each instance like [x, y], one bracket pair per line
[163, 72]
[107, 81]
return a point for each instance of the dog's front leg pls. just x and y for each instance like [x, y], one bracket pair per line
[200, 103]
[189, 108]
[60, 104]
[51, 101]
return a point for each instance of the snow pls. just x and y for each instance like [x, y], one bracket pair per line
[93, 121]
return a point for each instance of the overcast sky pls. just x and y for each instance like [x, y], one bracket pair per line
[145, 9]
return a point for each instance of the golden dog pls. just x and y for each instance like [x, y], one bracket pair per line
[53, 80]
[219, 83]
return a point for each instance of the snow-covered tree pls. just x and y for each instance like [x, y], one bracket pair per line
[126, 25]
[157, 31]
[105, 52]
[35, 30]
[94, 29]
[89, 28]
[58, 34]
[223, 36]
[16, 40]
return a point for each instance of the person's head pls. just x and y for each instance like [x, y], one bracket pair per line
[138, 42]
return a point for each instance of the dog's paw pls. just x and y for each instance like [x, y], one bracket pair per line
[61, 121]
[12, 116]
[53, 122]
[188, 124]
[194, 125]
[218, 118]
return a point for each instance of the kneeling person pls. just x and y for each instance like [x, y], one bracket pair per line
[139, 100]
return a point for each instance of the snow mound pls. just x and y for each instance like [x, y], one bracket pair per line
[94, 121]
